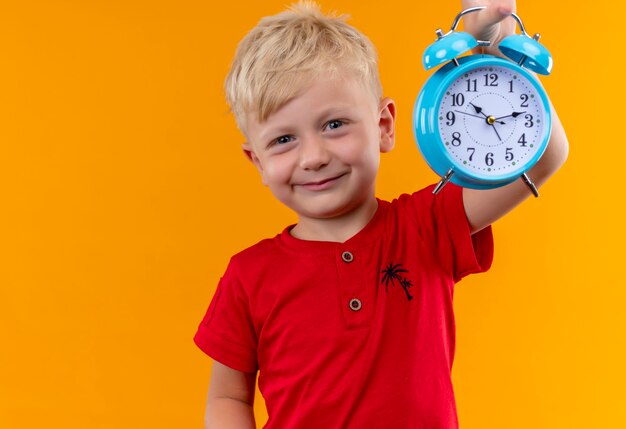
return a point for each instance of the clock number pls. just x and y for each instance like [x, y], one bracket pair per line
[491, 79]
[510, 86]
[456, 139]
[451, 118]
[529, 120]
[472, 150]
[509, 154]
[471, 85]
[524, 98]
[489, 159]
[522, 140]
[458, 99]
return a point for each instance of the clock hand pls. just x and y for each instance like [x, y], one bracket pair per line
[478, 109]
[490, 119]
[494, 128]
[514, 114]
[479, 117]
[469, 114]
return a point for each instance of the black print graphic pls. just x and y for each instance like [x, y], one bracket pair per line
[391, 274]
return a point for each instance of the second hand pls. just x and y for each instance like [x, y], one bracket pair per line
[479, 117]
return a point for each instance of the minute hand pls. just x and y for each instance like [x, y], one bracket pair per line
[514, 114]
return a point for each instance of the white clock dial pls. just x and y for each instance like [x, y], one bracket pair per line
[491, 120]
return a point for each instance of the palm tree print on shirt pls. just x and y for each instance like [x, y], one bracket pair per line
[392, 273]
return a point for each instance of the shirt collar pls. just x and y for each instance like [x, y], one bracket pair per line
[370, 233]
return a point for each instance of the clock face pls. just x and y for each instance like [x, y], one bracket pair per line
[492, 120]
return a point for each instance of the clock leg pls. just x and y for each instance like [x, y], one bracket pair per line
[530, 184]
[445, 179]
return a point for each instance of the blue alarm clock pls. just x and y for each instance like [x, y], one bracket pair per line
[482, 121]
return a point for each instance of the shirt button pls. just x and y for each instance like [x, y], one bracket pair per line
[355, 304]
[347, 257]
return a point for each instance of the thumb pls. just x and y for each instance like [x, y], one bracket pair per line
[485, 25]
[495, 12]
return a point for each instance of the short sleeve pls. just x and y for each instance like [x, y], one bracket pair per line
[443, 224]
[226, 332]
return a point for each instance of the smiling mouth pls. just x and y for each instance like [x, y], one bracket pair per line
[321, 184]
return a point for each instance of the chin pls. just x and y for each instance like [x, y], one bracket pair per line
[326, 205]
[326, 209]
[317, 212]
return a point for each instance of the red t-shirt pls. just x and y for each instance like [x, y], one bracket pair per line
[357, 334]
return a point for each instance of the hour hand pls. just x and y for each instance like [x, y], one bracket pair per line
[514, 115]
[478, 109]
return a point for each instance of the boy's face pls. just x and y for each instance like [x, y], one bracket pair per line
[319, 153]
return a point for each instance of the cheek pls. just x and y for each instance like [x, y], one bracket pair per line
[372, 162]
[276, 170]
[363, 151]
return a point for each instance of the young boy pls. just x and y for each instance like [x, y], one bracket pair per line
[347, 316]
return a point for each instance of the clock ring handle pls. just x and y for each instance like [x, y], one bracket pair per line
[455, 24]
[521, 26]
[522, 48]
[457, 19]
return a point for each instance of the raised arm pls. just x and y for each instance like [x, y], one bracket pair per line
[485, 207]
[230, 400]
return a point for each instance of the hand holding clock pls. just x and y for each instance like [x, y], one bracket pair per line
[491, 24]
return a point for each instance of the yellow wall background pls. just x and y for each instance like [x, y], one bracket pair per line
[123, 194]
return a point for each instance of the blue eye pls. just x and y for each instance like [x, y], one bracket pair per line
[283, 139]
[335, 124]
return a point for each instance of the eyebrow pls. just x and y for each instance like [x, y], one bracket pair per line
[278, 131]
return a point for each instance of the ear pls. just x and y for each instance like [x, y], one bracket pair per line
[386, 124]
[248, 151]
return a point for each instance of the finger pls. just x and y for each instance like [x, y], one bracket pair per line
[496, 12]
[485, 25]
[493, 14]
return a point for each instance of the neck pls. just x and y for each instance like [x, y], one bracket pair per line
[336, 229]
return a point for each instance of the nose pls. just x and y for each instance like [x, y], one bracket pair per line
[313, 153]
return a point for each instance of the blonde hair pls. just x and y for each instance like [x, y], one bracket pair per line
[282, 55]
